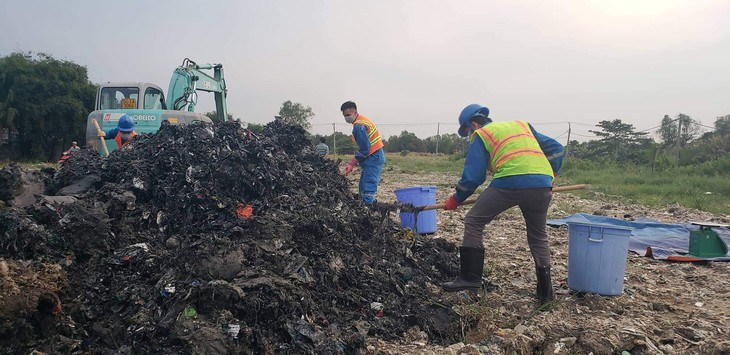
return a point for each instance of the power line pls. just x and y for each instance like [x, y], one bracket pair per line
[582, 135]
[649, 129]
[562, 134]
[452, 123]
[582, 124]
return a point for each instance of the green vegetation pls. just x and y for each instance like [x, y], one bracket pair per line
[418, 163]
[296, 113]
[687, 185]
[701, 186]
[44, 103]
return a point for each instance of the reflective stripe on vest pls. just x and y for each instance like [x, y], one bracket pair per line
[118, 138]
[513, 149]
[373, 135]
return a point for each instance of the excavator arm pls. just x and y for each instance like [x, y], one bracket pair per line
[188, 78]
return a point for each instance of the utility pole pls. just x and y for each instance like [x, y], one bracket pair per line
[567, 145]
[656, 155]
[679, 137]
[438, 136]
[334, 139]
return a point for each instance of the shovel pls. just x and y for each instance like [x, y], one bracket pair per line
[103, 142]
[408, 208]
[471, 201]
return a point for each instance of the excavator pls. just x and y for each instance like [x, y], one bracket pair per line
[148, 107]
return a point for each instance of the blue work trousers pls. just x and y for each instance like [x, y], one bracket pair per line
[371, 167]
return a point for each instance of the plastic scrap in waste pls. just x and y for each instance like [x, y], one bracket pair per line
[244, 211]
[378, 308]
[233, 330]
[190, 312]
[167, 291]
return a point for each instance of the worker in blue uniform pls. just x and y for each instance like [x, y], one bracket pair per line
[524, 164]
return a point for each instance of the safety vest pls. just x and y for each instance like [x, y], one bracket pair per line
[513, 149]
[118, 139]
[373, 135]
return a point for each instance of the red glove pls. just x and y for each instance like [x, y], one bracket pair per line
[451, 203]
[350, 166]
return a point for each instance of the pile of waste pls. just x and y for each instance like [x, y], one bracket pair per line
[210, 239]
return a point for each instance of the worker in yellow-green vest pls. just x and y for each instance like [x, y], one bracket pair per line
[524, 164]
[369, 154]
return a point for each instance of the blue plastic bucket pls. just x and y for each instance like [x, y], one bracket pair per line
[597, 258]
[418, 196]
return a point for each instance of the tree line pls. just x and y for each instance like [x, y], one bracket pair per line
[404, 143]
[680, 143]
[44, 103]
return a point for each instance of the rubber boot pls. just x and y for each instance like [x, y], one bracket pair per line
[544, 285]
[472, 266]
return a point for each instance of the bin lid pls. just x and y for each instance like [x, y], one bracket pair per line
[428, 188]
[600, 225]
[710, 224]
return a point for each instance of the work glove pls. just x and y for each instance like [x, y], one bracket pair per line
[100, 133]
[555, 177]
[451, 203]
[350, 165]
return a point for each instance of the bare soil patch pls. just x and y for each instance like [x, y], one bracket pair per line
[666, 307]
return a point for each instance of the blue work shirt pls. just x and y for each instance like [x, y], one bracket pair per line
[477, 163]
[360, 132]
[112, 133]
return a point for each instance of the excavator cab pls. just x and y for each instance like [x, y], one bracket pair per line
[126, 96]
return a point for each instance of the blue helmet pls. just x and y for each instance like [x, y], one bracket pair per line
[467, 113]
[125, 124]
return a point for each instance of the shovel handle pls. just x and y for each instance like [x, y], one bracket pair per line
[471, 201]
[103, 142]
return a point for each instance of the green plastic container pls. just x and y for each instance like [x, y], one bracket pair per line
[705, 243]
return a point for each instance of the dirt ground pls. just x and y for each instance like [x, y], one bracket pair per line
[666, 307]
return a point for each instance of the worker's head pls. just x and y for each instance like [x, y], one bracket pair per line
[73, 144]
[472, 118]
[125, 124]
[349, 111]
[322, 140]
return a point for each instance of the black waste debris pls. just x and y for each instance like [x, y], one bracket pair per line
[161, 231]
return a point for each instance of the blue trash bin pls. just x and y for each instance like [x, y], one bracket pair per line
[597, 257]
[418, 196]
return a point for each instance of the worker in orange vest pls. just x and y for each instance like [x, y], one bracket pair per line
[369, 154]
[122, 134]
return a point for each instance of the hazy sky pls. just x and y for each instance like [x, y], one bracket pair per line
[408, 64]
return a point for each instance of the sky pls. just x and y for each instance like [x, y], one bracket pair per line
[409, 65]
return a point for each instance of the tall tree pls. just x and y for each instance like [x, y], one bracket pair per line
[296, 113]
[44, 103]
[722, 125]
[681, 130]
[668, 130]
[447, 144]
[405, 141]
[690, 129]
[619, 141]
